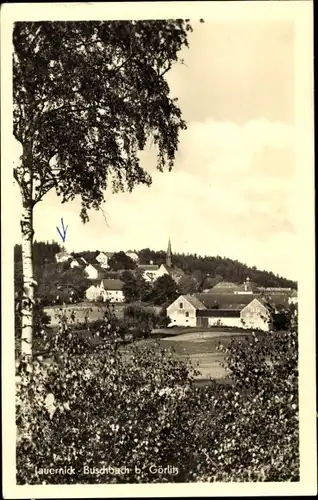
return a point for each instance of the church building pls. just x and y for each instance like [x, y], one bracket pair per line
[175, 272]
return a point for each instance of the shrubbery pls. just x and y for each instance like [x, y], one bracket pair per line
[96, 404]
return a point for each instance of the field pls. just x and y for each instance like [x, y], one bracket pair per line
[93, 311]
[200, 347]
[197, 344]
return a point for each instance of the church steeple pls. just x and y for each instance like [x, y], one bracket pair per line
[169, 255]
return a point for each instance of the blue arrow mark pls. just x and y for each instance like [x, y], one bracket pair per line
[63, 231]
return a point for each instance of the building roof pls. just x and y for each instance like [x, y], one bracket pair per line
[195, 302]
[225, 300]
[218, 313]
[100, 270]
[108, 254]
[274, 289]
[112, 284]
[63, 254]
[148, 267]
[176, 271]
[227, 286]
[294, 294]
[275, 298]
[239, 301]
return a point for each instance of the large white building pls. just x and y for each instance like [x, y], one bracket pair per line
[231, 310]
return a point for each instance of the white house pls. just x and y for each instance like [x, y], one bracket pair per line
[293, 297]
[133, 256]
[189, 310]
[255, 315]
[62, 257]
[74, 263]
[183, 311]
[94, 272]
[151, 272]
[103, 259]
[106, 289]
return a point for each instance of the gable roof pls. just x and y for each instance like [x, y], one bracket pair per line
[148, 267]
[63, 254]
[194, 301]
[108, 254]
[224, 301]
[176, 271]
[132, 253]
[112, 284]
[275, 298]
[100, 270]
[227, 285]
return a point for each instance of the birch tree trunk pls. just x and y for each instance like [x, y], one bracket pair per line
[28, 278]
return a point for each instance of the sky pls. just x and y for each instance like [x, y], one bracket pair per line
[232, 190]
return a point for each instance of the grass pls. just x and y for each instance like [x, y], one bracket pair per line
[197, 344]
[203, 354]
[94, 311]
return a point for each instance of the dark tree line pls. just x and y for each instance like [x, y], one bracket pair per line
[43, 252]
[226, 269]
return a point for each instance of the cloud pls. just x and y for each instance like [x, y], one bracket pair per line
[229, 194]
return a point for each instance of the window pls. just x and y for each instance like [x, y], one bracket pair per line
[181, 305]
[187, 314]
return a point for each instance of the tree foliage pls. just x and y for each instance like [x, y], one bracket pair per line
[135, 287]
[164, 289]
[119, 260]
[217, 268]
[187, 285]
[89, 95]
[43, 252]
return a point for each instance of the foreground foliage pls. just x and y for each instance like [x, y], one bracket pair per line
[96, 405]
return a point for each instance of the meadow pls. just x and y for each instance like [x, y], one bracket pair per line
[197, 344]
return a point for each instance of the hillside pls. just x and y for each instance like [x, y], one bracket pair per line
[217, 269]
[207, 270]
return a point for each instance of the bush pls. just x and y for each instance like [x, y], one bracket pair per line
[105, 408]
[255, 434]
[96, 404]
[141, 319]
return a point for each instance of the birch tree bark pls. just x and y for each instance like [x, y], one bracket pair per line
[27, 234]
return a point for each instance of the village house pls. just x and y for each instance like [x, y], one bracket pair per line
[133, 256]
[74, 263]
[293, 297]
[94, 271]
[151, 272]
[211, 309]
[62, 257]
[106, 289]
[103, 259]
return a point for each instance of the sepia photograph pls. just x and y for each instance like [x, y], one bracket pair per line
[159, 251]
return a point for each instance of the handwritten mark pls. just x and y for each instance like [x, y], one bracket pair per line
[63, 231]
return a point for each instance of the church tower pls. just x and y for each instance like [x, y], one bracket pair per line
[169, 255]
